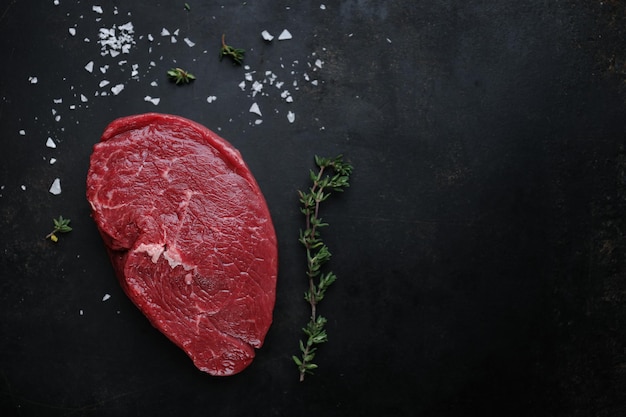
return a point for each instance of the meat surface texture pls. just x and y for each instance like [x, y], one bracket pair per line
[189, 235]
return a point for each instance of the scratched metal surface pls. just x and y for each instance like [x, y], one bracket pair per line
[479, 250]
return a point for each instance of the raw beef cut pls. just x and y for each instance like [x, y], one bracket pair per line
[189, 235]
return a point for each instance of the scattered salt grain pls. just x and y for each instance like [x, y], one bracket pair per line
[211, 99]
[150, 37]
[23, 187]
[266, 35]
[258, 121]
[284, 35]
[319, 63]
[97, 9]
[83, 98]
[154, 84]
[154, 100]
[117, 89]
[165, 32]
[72, 31]
[255, 109]
[52, 161]
[104, 83]
[291, 116]
[242, 85]
[80, 312]
[55, 2]
[22, 132]
[50, 143]
[189, 42]
[55, 188]
[388, 40]
[106, 297]
[57, 100]
[89, 66]
[33, 80]
[323, 6]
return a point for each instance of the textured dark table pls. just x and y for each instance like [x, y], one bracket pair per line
[480, 249]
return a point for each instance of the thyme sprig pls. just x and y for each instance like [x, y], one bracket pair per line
[235, 53]
[179, 75]
[333, 175]
[61, 225]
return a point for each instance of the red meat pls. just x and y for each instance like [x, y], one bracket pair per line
[189, 235]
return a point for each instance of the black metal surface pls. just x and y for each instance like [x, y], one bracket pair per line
[479, 250]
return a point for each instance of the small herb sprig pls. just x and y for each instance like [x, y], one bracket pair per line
[235, 53]
[179, 76]
[61, 225]
[333, 175]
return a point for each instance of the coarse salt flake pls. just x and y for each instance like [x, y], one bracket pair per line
[291, 116]
[52, 161]
[165, 32]
[50, 143]
[104, 83]
[117, 89]
[189, 42]
[266, 35]
[152, 100]
[284, 35]
[55, 188]
[83, 98]
[97, 9]
[22, 132]
[211, 99]
[255, 109]
[106, 297]
[33, 80]
[72, 31]
[323, 6]
[89, 66]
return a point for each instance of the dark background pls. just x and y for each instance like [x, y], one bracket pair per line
[480, 248]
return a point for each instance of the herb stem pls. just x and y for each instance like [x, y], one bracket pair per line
[317, 252]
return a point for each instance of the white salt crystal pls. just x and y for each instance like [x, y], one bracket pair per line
[211, 99]
[50, 143]
[242, 85]
[55, 2]
[258, 121]
[154, 84]
[314, 82]
[117, 89]
[97, 9]
[22, 132]
[255, 109]
[289, 99]
[104, 83]
[80, 312]
[72, 31]
[189, 42]
[165, 32]
[127, 27]
[23, 187]
[106, 297]
[57, 118]
[55, 188]
[72, 107]
[52, 161]
[388, 40]
[284, 35]
[173, 39]
[150, 37]
[323, 6]
[104, 69]
[89, 66]
[266, 35]
[291, 116]
[83, 98]
[57, 100]
[33, 80]
[319, 63]
[154, 100]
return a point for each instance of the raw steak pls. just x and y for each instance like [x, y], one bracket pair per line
[189, 235]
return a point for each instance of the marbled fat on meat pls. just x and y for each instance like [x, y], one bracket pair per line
[189, 235]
